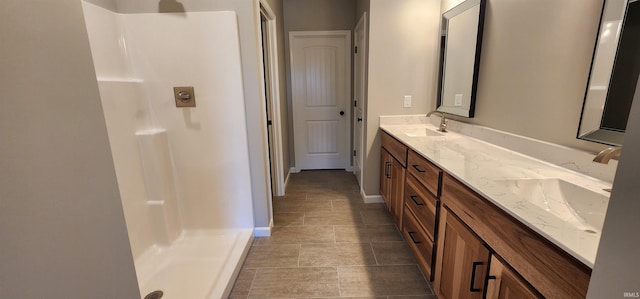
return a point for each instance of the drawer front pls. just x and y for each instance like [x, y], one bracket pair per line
[422, 203]
[553, 272]
[396, 148]
[427, 173]
[419, 242]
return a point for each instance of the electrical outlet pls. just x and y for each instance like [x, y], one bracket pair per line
[407, 101]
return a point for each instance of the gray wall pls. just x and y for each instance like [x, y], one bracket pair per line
[362, 6]
[617, 262]
[402, 60]
[312, 15]
[534, 68]
[62, 229]
[106, 4]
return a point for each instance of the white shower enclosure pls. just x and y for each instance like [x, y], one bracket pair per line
[183, 173]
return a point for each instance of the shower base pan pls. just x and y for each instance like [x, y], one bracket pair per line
[200, 264]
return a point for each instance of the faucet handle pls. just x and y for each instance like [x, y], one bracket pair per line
[605, 155]
[443, 123]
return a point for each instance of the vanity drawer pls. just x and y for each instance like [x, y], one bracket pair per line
[550, 270]
[427, 173]
[397, 149]
[420, 243]
[422, 203]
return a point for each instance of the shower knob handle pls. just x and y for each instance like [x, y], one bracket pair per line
[184, 96]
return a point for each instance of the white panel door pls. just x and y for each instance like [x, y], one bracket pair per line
[359, 98]
[320, 83]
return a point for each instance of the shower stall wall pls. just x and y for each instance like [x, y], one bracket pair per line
[183, 173]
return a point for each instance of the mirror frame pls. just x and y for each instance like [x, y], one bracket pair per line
[446, 16]
[601, 70]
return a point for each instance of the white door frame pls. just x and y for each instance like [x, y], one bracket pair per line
[347, 34]
[362, 50]
[274, 93]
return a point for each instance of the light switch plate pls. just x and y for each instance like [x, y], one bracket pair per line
[458, 100]
[407, 101]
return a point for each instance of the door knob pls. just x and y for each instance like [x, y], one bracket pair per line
[341, 112]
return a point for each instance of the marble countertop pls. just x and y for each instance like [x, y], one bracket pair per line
[491, 171]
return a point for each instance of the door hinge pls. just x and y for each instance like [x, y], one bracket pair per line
[355, 50]
[354, 153]
[355, 103]
[269, 122]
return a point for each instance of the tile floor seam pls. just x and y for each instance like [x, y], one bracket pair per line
[255, 274]
[339, 281]
[374, 253]
[304, 218]
[335, 239]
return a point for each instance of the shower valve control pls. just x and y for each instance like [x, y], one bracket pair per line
[184, 96]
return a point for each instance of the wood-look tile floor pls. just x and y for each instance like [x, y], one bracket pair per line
[326, 243]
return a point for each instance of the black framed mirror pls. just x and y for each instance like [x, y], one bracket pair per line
[614, 72]
[461, 42]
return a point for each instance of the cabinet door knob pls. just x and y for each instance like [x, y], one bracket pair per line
[341, 112]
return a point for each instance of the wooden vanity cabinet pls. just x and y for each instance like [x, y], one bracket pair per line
[419, 241]
[463, 261]
[429, 175]
[393, 161]
[469, 247]
[546, 268]
[504, 283]
[421, 190]
[469, 270]
[386, 160]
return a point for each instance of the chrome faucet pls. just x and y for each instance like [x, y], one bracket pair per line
[443, 120]
[605, 155]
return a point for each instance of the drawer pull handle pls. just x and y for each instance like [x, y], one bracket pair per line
[413, 238]
[473, 277]
[388, 169]
[413, 197]
[417, 167]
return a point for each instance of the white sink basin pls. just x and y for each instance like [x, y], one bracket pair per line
[421, 132]
[578, 206]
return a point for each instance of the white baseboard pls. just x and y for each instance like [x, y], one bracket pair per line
[263, 231]
[294, 170]
[349, 169]
[371, 198]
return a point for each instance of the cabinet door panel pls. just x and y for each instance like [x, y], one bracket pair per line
[397, 191]
[464, 260]
[506, 284]
[385, 175]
